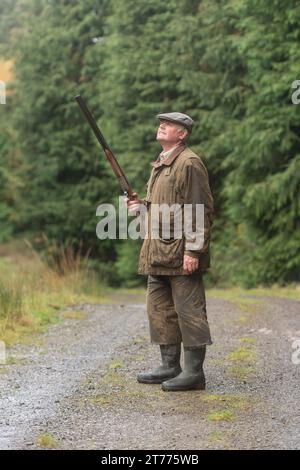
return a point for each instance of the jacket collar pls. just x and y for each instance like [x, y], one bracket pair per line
[169, 160]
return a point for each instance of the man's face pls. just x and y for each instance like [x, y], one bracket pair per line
[170, 132]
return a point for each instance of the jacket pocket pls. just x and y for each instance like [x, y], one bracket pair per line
[167, 253]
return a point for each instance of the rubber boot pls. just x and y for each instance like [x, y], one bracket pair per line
[170, 355]
[192, 377]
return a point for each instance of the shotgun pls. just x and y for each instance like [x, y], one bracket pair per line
[123, 181]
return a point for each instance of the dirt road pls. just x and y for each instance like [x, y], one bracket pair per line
[76, 388]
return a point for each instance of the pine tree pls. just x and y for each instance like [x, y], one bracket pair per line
[65, 177]
[263, 187]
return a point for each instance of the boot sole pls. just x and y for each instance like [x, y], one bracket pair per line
[152, 381]
[157, 380]
[184, 389]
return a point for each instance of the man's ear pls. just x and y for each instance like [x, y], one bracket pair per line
[183, 134]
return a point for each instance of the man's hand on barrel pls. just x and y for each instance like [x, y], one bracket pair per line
[133, 203]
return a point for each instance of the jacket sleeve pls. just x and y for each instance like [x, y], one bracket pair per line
[196, 190]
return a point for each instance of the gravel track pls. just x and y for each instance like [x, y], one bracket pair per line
[79, 385]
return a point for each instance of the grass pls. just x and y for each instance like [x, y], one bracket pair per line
[35, 293]
[239, 297]
[117, 389]
[242, 359]
[237, 294]
[116, 364]
[73, 315]
[215, 437]
[32, 292]
[225, 407]
[221, 415]
[241, 372]
[101, 400]
[247, 340]
[237, 402]
[243, 354]
[47, 441]
[242, 300]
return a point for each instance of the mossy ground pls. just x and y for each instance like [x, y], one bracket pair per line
[47, 441]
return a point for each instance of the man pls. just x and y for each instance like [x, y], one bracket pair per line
[175, 293]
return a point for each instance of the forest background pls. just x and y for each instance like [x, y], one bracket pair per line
[229, 64]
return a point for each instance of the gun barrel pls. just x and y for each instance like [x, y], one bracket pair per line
[123, 182]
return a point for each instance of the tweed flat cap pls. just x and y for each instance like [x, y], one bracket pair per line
[178, 118]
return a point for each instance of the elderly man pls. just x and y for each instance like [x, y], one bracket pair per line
[175, 293]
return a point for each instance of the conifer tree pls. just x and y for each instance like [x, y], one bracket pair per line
[65, 176]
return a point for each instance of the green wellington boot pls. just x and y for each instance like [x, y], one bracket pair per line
[192, 377]
[170, 355]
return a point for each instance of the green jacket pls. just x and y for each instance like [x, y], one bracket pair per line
[180, 179]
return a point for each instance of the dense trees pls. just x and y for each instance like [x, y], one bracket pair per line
[64, 178]
[229, 64]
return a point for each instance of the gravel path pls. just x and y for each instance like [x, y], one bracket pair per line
[78, 387]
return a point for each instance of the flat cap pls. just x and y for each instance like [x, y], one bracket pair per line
[178, 118]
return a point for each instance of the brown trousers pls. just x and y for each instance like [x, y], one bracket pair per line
[177, 310]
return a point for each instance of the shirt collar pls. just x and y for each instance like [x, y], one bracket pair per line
[169, 156]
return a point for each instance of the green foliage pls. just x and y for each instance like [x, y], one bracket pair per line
[229, 64]
[10, 302]
[65, 177]
[262, 188]
[126, 265]
[9, 182]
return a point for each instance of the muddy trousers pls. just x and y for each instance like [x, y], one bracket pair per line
[176, 308]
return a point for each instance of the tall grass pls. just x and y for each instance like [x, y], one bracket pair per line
[33, 289]
[11, 302]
